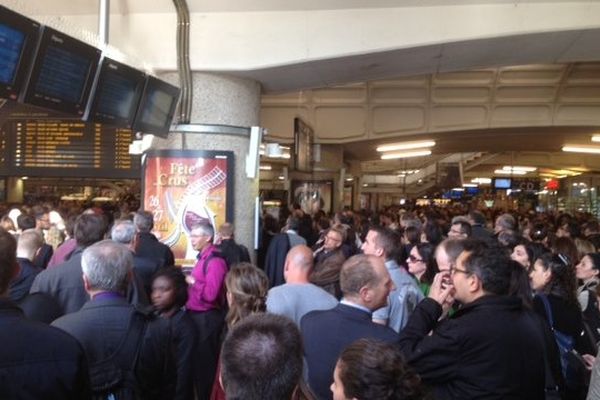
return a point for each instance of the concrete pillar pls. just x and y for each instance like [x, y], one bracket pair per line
[14, 190]
[223, 100]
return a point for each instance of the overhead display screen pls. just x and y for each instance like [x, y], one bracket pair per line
[157, 107]
[117, 95]
[18, 38]
[50, 147]
[63, 73]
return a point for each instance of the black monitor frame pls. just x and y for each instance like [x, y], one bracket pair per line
[52, 38]
[136, 77]
[152, 85]
[31, 32]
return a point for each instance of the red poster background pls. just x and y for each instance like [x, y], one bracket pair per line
[180, 191]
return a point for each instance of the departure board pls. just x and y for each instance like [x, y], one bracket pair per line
[48, 147]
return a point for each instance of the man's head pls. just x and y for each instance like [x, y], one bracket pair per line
[201, 235]
[479, 271]
[262, 358]
[298, 264]
[9, 268]
[335, 236]
[42, 217]
[476, 218]
[144, 221]
[123, 232]
[25, 221]
[226, 231]
[365, 280]
[89, 229]
[106, 267]
[459, 230]
[29, 243]
[505, 222]
[379, 243]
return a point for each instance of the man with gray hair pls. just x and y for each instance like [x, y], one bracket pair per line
[144, 268]
[147, 244]
[29, 244]
[366, 285]
[118, 339]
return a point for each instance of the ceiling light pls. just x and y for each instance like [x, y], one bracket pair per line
[505, 172]
[578, 148]
[406, 145]
[596, 138]
[405, 154]
[469, 185]
[264, 167]
[483, 181]
[526, 169]
[349, 179]
[458, 189]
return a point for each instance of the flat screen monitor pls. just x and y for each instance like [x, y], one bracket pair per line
[472, 191]
[63, 73]
[117, 95]
[157, 107]
[502, 183]
[18, 39]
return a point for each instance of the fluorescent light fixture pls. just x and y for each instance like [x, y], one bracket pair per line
[505, 172]
[458, 189]
[24, 178]
[349, 179]
[470, 185]
[596, 138]
[406, 145]
[281, 177]
[405, 154]
[482, 181]
[526, 169]
[578, 148]
[264, 167]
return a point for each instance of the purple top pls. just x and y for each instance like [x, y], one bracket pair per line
[62, 252]
[208, 291]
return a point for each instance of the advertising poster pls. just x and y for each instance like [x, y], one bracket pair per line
[313, 195]
[182, 188]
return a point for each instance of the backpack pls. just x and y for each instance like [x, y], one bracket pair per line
[571, 362]
[113, 378]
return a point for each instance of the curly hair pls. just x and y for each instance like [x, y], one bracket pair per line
[371, 369]
[177, 278]
[563, 282]
[247, 287]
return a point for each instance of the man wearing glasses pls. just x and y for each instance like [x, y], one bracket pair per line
[491, 348]
[332, 245]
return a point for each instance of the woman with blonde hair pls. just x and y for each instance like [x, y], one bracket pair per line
[247, 288]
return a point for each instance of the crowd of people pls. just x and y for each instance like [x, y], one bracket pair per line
[425, 303]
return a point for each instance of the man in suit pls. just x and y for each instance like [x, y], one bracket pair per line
[144, 268]
[36, 360]
[148, 245]
[28, 245]
[108, 320]
[366, 284]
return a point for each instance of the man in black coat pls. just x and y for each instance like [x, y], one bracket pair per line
[366, 285]
[147, 244]
[36, 361]
[230, 250]
[28, 245]
[107, 321]
[491, 348]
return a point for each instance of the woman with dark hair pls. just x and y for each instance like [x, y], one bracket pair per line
[526, 253]
[553, 280]
[169, 295]
[587, 272]
[421, 263]
[432, 233]
[247, 288]
[566, 246]
[539, 233]
[369, 369]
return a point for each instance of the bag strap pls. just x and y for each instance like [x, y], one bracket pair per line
[544, 299]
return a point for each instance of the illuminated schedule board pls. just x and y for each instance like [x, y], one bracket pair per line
[70, 148]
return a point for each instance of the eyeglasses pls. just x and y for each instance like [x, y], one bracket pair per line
[333, 239]
[463, 271]
[414, 259]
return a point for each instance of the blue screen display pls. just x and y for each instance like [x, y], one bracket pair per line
[502, 183]
[63, 75]
[117, 95]
[11, 46]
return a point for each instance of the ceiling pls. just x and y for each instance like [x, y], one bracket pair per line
[61, 7]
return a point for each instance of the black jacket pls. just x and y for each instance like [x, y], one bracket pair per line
[489, 349]
[148, 246]
[275, 259]
[20, 285]
[38, 361]
[233, 252]
[100, 326]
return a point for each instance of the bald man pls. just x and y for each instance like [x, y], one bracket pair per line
[298, 296]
